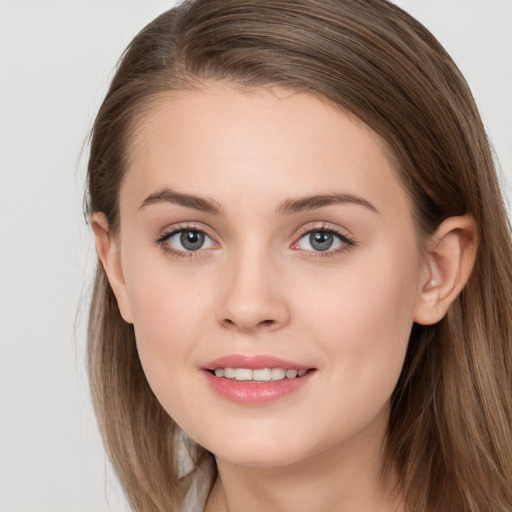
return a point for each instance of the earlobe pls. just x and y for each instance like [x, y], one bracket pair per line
[449, 262]
[109, 256]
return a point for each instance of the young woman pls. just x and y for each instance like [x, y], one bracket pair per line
[305, 291]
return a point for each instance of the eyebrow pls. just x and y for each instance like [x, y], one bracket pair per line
[319, 201]
[188, 200]
[289, 206]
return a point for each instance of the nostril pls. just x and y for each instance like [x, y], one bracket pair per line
[249, 325]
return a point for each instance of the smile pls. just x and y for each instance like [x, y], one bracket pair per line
[259, 374]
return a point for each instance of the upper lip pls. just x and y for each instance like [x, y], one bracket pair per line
[253, 362]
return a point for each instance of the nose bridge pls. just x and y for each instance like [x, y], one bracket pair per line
[252, 298]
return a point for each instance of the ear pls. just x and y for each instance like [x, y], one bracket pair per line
[449, 261]
[109, 255]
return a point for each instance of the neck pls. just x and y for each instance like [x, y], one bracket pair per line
[347, 477]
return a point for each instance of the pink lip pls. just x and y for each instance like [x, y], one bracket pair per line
[254, 393]
[253, 362]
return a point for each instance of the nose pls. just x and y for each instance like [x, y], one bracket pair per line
[253, 298]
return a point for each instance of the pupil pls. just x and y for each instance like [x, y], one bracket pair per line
[192, 240]
[321, 240]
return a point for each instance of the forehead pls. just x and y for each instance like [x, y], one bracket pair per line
[257, 141]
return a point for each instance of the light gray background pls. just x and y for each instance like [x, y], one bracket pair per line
[55, 61]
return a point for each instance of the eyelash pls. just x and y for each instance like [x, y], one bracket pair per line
[164, 237]
[347, 243]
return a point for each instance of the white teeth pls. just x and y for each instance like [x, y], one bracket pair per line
[265, 374]
[278, 374]
[259, 374]
[243, 374]
[229, 373]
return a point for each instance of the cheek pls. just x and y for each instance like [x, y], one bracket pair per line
[168, 315]
[169, 321]
[363, 318]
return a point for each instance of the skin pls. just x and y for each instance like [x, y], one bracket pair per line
[259, 287]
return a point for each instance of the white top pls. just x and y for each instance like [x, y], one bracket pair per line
[201, 476]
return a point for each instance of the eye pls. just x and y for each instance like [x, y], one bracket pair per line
[323, 240]
[186, 240]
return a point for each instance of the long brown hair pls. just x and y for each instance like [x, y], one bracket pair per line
[449, 436]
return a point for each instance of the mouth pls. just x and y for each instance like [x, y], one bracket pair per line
[255, 380]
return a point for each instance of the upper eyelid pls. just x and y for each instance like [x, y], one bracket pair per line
[323, 226]
[183, 226]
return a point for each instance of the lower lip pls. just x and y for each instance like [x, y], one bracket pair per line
[246, 392]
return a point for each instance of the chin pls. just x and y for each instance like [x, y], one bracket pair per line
[265, 458]
[260, 449]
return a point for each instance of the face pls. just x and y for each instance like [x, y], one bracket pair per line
[263, 235]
